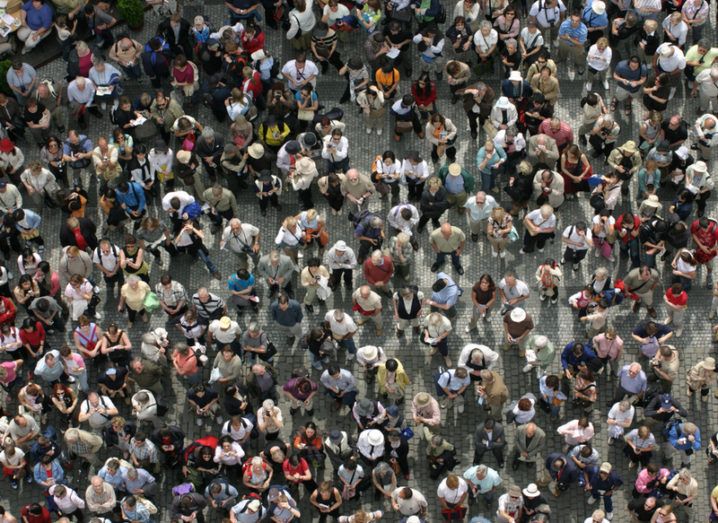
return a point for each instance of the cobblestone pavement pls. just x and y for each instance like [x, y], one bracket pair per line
[557, 322]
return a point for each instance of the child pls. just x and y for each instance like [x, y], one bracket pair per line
[548, 276]
[676, 300]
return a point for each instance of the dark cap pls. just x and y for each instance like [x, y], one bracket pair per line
[292, 147]
[335, 435]
[161, 146]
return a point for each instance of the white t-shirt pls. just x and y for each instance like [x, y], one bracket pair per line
[546, 16]
[599, 60]
[621, 417]
[342, 328]
[110, 260]
[452, 495]
[531, 41]
[611, 221]
[13, 461]
[222, 336]
[520, 289]
[571, 233]
[510, 505]
[670, 64]
[538, 220]
[97, 420]
[484, 43]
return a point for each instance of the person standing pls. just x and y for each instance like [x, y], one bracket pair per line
[448, 240]
[602, 482]
[287, 314]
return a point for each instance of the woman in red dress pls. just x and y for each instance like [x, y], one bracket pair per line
[575, 171]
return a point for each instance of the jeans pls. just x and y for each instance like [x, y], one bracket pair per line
[348, 345]
[455, 258]
[488, 179]
[211, 267]
[631, 248]
[607, 500]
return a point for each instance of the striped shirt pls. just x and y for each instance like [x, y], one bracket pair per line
[206, 310]
[579, 33]
[696, 13]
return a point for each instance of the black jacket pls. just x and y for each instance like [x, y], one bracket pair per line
[88, 229]
[434, 205]
[183, 44]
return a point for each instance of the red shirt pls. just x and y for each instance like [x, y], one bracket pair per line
[378, 273]
[43, 517]
[636, 224]
[680, 300]
[33, 338]
[79, 239]
[709, 236]
[251, 45]
[300, 469]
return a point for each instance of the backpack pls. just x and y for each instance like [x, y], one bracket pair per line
[356, 219]
[193, 210]
[207, 441]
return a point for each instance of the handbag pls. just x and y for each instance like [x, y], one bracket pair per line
[151, 302]
[305, 115]
[269, 353]
[513, 234]
[215, 375]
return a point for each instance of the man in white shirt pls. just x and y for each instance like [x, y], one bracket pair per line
[577, 239]
[452, 491]
[403, 218]
[451, 386]
[106, 257]
[548, 15]
[67, 501]
[670, 59]
[512, 291]
[81, 95]
[300, 71]
[224, 331]
[707, 86]
[10, 198]
[479, 209]
[341, 261]
[97, 411]
[343, 328]
[540, 226]
[370, 445]
[408, 502]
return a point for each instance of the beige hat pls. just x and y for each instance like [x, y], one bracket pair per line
[256, 151]
[184, 157]
[606, 467]
[422, 399]
[598, 7]
[304, 165]
[455, 169]
[540, 341]
[531, 491]
[515, 76]
[667, 51]
[254, 505]
[503, 103]
[518, 315]
[629, 147]
[700, 167]
[225, 323]
[268, 404]
[652, 201]
[709, 363]
[341, 245]
[369, 352]
[514, 490]
[375, 437]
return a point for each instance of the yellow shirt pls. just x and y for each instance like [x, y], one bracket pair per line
[135, 298]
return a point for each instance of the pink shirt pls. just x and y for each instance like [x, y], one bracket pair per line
[11, 368]
[608, 348]
[643, 479]
[563, 136]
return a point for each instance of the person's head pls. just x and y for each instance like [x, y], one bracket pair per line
[634, 369]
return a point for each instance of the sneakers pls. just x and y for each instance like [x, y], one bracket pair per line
[596, 253]
[468, 329]
[527, 368]
[605, 84]
[542, 297]
[589, 86]
[199, 422]
[443, 402]
[368, 130]
[460, 407]
[502, 254]
[219, 420]
[494, 254]
[379, 131]
[591, 500]
[609, 515]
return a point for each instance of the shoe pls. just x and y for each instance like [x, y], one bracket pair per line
[468, 329]
[460, 408]
[218, 275]
[28, 480]
[350, 356]
[542, 297]
[368, 130]
[652, 312]
[71, 379]
[399, 333]
[632, 465]
[596, 253]
[474, 237]
[103, 106]
[293, 411]
[290, 340]
[540, 249]
[435, 267]
[554, 300]
[582, 140]
[609, 515]
[448, 362]
[379, 331]
[219, 420]
[442, 403]
[502, 254]
[310, 308]
[527, 368]
[515, 465]
[589, 86]
[591, 500]
[13, 484]
[494, 254]
[309, 412]
[379, 131]
[605, 85]
[198, 422]
[522, 251]
[636, 306]
[704, 398]
[459, 270]
[575, 267]
[580, 72]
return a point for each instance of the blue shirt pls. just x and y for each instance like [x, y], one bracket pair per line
[592, 19]
[449, 294]
[624, 71]
[600, 485]
[288, 318]
[134, 198]
[580, 33]
[569, 358]
[235, 283]
[495, 158]
[633, 385]
[38, 18]
[454, 184]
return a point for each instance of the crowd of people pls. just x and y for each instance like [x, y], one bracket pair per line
[227, 123]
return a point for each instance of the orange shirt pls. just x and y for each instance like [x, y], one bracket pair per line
[386, 80]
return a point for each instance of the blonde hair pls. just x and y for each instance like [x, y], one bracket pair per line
[434, 181]
[289, 221]
[498, 214]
